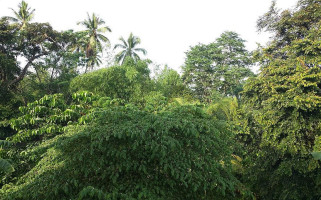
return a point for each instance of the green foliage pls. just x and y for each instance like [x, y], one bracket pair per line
[129, 82]
[316, 155]
[199, 59]
[169, 82]
[224, 109]
[55, 71]
[283, 109]
[155, 102]
[124, 153]
[220, 66]
[5, 167]
[5, 143]
[45, 50]
[9, 68]
[40, 121]
[49, 115]
[170, 137]
[284, 102]
[290, 25]
[227, 109]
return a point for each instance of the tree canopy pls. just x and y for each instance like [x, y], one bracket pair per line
[283, 105]
[220, 66]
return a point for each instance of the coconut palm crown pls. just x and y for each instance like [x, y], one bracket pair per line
[129, 49]
[23, 16]
[94, 37]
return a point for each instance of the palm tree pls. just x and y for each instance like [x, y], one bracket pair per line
[23, 16]
[94, 38]
[129, 49]
[93, 60]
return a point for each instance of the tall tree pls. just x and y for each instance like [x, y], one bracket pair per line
[94, 38]
[233, 63]
[220, 66]
[48, 62]
[8, 44]
[23, 16]
[129, 49]
[36, 41]
[283, 105]
[54, 72]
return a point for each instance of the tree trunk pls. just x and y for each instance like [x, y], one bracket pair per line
[24, 71]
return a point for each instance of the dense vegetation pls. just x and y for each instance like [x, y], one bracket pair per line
[218, 131]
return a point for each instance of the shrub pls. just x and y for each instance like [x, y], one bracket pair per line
[125, 153]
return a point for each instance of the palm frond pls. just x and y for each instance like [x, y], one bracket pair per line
[130, 40]
[11, 19]
[124, 41]
[30, 17]
[135, 41]
[135, 56]
[141, 50]
[81, 23]
[103, 38]
[119, 46]
[99, 46]
[104, 29]
[120, 57]
[18, 17]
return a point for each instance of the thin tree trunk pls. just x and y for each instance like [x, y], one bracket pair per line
[36, 68]
[24, 71]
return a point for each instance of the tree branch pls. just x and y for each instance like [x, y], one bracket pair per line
[25, 69]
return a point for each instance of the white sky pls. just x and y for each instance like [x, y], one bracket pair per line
[167, 28]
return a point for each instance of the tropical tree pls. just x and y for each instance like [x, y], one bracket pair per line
[23, 16]
[129, 49]
[37, 41]
[221, 66]
[283, 107]
[91, 43]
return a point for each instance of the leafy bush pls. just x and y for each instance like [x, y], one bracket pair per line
[129, 81]
[5, 165]
[125, 153]
[49, 115]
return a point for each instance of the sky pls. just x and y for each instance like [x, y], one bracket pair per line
[167, 28]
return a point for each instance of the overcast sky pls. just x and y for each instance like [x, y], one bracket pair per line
[167, 28]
